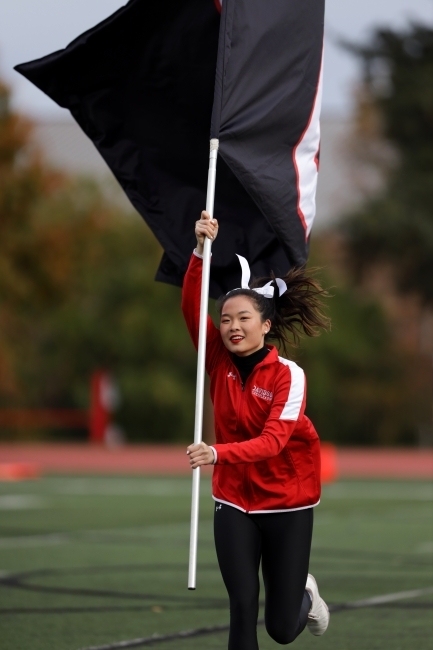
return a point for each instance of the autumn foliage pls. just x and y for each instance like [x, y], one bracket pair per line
[77, 293]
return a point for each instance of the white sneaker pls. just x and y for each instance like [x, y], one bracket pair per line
[318, 617]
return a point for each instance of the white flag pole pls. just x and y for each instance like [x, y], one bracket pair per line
[198, 426]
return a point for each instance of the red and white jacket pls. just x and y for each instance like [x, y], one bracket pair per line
[268, 451]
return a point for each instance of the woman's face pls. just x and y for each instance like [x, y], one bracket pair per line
[241, 326]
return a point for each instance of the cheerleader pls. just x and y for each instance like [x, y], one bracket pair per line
[266, 478]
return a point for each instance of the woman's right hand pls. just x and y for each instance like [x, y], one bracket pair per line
[205, 227]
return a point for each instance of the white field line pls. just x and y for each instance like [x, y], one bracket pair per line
[356, 604]
[144, 533]
[26, 541]
[158, 638]
[388, 598]
[22, 502]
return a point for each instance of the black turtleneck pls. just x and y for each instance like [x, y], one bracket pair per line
[246, 365]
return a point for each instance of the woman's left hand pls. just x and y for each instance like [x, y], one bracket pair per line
[200, 454]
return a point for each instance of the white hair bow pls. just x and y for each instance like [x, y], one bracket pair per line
[267, 290]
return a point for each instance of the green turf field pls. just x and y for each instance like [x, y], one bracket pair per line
[92, 561]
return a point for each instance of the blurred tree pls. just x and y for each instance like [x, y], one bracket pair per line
[392, 233]
[355, 392]
[397, 100]
[77, 293]
[358, 390]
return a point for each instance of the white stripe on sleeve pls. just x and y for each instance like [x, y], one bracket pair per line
[215, 455]
[293, 405]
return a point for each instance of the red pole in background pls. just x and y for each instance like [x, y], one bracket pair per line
[104, 399]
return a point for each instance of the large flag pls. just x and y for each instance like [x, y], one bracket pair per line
[266, 110]
[144, 84]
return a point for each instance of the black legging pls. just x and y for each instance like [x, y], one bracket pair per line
[282, 542]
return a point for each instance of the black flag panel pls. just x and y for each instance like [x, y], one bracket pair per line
[267, 106]
[141, 86]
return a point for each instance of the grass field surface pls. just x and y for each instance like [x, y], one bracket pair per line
[88, 561]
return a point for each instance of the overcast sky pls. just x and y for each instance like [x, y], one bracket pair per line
[32, 28]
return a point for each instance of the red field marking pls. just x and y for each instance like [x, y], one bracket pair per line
[386, 463]
[158, 459]
[19, 471]
[89, 459]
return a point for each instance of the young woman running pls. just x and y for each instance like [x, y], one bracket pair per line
[266, 479]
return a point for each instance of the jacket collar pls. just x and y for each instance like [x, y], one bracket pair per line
[272, 357]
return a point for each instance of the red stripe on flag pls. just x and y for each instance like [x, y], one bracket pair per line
[218, 5]
[300, 213]
[317, 158]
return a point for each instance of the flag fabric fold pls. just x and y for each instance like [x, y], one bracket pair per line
[267, 106]
[144, 85]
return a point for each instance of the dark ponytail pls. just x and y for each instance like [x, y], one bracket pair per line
[300, 310]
